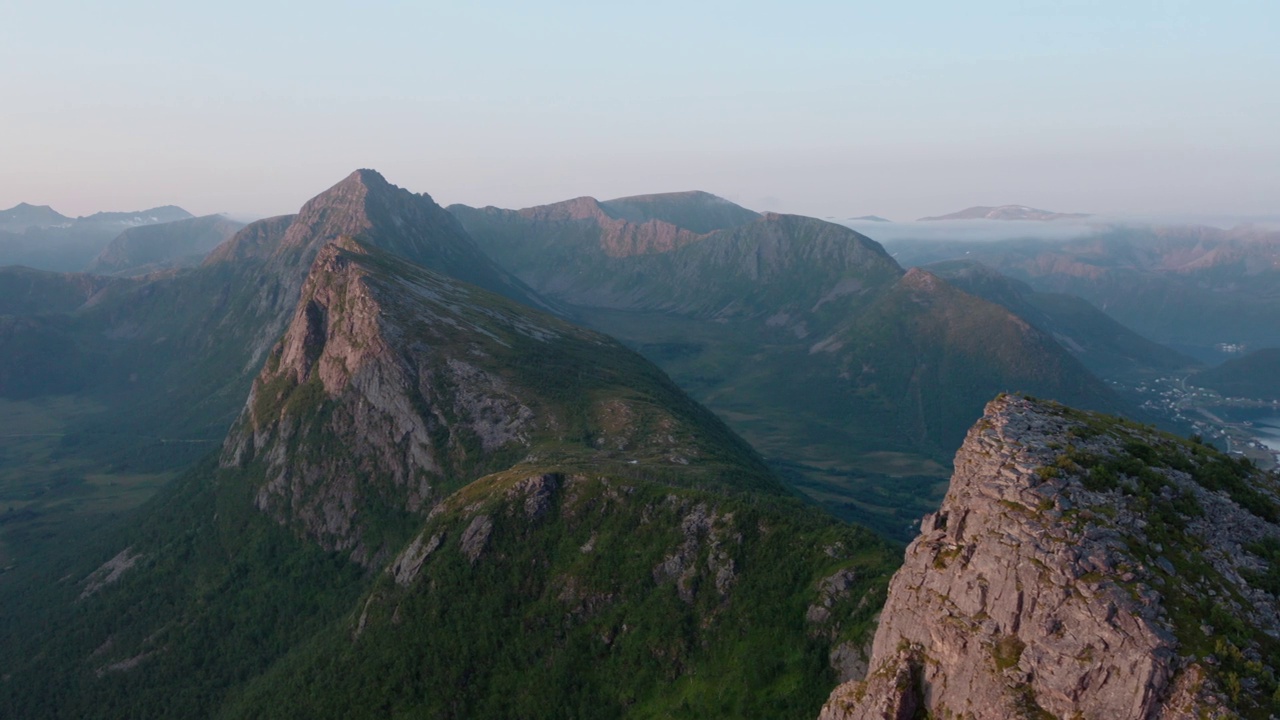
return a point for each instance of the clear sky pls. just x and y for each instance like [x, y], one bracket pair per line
[900, 109]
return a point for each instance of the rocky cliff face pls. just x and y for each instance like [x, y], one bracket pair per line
[1082, 567]
[346, 368]
[393, 384]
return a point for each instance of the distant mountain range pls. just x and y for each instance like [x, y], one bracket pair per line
[1190, 286]
[22, 216]
[41, 238]
[146, 248]
[1005, 212]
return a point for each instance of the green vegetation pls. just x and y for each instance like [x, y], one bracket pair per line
[1146, 452]
[1268, 550]
[1204, 607]
[219, 593]
[1107, 348]
[227, 614]
[589, 633]
[54, 483]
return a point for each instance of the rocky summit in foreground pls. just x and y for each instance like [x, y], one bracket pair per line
[1082, 567]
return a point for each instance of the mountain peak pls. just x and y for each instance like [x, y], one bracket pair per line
[24, 215]
[366, 178]
[376, 213]
[345, 205]
[920, 279]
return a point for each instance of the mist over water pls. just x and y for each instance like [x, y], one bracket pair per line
[977, 230]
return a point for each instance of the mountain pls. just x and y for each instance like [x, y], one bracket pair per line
[1104, 346]
[181, 243]
[697, 211]
[425, 497]
[153, 216]
[363, 206]
[40, 238]
[1082, 566]
[137, 379]
[22, 216]
[366, 206]
[1005, 212]
[871, 218]
[1190, 287]
[741, 272]
[439, 502]
[855, 378]
[450, 375]
[1255, 376]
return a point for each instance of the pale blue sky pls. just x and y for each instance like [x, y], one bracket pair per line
[825, 108]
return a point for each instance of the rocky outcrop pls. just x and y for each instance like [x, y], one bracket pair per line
[475, 537]
[367, 367]
[700, 527]
[1080, 567]
[110, 571]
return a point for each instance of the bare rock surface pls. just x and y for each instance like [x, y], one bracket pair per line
[1067, 575]
[407, 565]
[476, 536]
[110, 571]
